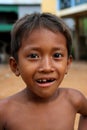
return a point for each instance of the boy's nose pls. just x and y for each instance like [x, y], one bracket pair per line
[46, 65]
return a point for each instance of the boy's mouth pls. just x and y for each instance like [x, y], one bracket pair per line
[48, 80]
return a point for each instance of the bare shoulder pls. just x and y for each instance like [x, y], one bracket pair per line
[7, 106]
[4, 107]
[76, 98]
[10, 102]
[4, 103]
[11, 106]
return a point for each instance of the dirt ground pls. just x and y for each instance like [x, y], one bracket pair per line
[76, 78]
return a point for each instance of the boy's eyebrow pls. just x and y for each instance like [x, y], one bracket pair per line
[37, 48]
[58, 48]
[33, 48]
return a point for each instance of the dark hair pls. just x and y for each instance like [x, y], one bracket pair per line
[25, 25]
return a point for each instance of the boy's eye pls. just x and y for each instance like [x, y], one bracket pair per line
[57, 55]
[34, 56]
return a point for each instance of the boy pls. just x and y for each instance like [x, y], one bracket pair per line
[41, 55]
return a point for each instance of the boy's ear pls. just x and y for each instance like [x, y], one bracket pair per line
[14, 66]
[69, 61]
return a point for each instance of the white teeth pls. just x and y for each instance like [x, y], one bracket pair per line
[40, 80]
[44, 80]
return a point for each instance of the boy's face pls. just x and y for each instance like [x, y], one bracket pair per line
[43, 61]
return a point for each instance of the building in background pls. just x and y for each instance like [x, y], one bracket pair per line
[49, 6]
[10, 11]
[74, 13]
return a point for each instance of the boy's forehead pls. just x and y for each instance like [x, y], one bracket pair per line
[44, 37]
[43, 32]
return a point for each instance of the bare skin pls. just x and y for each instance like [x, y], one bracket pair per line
[42, 63]
[22, 112]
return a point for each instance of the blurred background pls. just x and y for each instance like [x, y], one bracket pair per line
[73, 12]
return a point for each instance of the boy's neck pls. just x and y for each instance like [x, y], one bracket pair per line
[37, 99]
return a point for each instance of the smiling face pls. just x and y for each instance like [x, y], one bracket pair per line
[42, 62]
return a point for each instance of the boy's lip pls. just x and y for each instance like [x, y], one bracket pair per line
[45, 82]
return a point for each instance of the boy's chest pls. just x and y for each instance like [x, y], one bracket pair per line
[54, 118]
